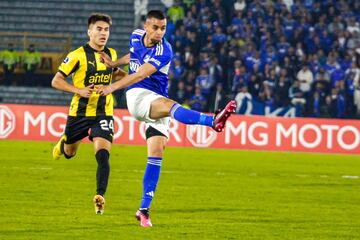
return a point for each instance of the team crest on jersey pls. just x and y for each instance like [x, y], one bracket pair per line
[134, 65]
[146, 58]
[66, 60]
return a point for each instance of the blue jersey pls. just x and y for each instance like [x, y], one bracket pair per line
[159, 56]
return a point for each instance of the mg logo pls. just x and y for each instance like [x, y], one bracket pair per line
[7, 121]
[200, 136]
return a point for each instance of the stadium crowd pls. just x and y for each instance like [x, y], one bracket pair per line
[30, 60]
[304, 54]
[280, 53]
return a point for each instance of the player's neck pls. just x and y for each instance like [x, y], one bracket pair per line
[96, 47]
[147, 42]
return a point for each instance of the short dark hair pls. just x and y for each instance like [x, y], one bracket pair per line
[94, 17]
[156, 14]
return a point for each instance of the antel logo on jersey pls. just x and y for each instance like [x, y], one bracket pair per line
[7, 121]
[99, 79]
[200, 136]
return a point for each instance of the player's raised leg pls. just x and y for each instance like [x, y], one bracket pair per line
[164, 107]
[62, 148]
[57, 153]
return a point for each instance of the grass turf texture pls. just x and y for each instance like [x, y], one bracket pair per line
[202, 194]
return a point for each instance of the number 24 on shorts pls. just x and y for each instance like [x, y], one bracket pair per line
[105, 125]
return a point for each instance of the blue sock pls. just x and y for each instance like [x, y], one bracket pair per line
[151, 178]
[189, 116]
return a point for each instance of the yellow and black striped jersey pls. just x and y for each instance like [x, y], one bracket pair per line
[86, 69]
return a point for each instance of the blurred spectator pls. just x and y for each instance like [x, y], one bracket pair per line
[190, 63]
[204, 82]
[31, 61]
[353, 75]
[218, 38]
[215, 71]
[234, 74]
[176, 13]
[306, 78]
[9, 59]
[170, 29]
[218, 98]
[266, 94]
[353, 26]
[282, 48]
[316, 105]
[181, 95]
[239, 5]
[254, 85]
[336, 107]
[167, 3]
[323, 78]
[297, 97]
[178, 69]
[197, 102]
[187, 4]
[299, 52]
[140, 11]
[282, 92]
[242, 97]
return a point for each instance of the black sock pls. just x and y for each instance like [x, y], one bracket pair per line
[63, 150]
[103, 171]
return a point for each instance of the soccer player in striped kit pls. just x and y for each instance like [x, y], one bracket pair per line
[89, 110]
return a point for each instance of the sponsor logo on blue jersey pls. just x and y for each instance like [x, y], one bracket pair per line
[155, 61]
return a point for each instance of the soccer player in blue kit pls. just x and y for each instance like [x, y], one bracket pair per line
[147, 99]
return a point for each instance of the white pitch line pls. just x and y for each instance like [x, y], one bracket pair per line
[350, 177]
[41, 168]
[301, 175]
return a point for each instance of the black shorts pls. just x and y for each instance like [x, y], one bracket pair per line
[78, 128]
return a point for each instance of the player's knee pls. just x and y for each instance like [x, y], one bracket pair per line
[69, 153]
[102, 155]
[68, 156]
[157, 151]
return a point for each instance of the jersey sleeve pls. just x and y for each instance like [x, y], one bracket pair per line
[161, 57]
[69, 65]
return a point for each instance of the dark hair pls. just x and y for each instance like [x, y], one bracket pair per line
[94, 17]
[156, 14]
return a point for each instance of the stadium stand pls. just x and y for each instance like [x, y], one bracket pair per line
[34, 95]
[272, 54]
[67, 17]
[292, 55]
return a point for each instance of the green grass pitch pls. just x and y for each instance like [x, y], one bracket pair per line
[202, 194]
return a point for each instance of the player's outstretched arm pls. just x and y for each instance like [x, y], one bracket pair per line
[119, 74]
[60, 83]
[144, 70]
[104, 58]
